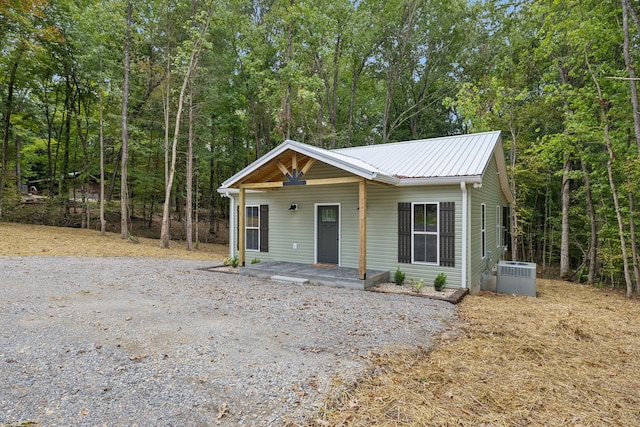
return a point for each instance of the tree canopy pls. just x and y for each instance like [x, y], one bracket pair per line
[557, 78]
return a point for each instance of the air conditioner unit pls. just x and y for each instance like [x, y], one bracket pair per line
[516, 277]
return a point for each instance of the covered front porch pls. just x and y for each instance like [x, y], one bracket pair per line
[320, 274]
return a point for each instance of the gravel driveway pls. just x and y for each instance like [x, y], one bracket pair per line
[139, 341]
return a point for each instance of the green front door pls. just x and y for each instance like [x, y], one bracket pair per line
[328, 234]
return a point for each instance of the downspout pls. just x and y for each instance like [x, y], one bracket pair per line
[232, 225]
[465, 219]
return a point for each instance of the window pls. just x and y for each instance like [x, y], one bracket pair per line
[256, 228]
[498, 227]
[425, 232]
[252, 228]
[483, 230]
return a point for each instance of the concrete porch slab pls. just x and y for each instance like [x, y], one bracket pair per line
[319, 274]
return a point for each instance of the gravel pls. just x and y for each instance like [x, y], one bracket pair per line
[140, 341]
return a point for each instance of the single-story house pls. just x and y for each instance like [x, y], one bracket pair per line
[430, 206]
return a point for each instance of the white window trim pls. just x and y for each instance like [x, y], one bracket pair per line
[498, 226]
[483, 230]
[436, 233]
[246, 227]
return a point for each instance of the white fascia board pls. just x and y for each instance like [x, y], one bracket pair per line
[226, 192]
[440, 180]
[317, 153]
[255, 165]
[502, 170]
[337, 160]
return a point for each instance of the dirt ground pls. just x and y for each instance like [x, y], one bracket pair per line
[568, 357]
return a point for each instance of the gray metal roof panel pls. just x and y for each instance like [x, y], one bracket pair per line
[459, 155]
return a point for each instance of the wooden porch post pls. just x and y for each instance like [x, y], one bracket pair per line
[241, 233]
[362, 214]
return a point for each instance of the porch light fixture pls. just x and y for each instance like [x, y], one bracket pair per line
[293, 207]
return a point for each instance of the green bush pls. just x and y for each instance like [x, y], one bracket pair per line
[440, 282]
[255, 261]
[398, 277]
[233, 262]
[417, 286]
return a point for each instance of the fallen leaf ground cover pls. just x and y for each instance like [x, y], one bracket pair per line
[567, 358]
[38, 240]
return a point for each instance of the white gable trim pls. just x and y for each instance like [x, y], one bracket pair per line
[346, 163]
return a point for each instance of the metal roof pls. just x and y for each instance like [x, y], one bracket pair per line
[450, 156]
[433, 161]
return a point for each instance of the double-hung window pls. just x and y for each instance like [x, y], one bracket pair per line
[256, 228]
[252, 228]
[425, 233]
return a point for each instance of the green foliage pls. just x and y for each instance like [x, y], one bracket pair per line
[398, 277]
[440, 282]
[255, 261]
[417, 285]
[232, 262]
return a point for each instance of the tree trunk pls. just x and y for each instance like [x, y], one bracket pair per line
[64, 181]
[593, 238]
[103, 222]
[7, 125]
[545, 226]
[352, 102]
[396, 67]
[565, 267]
[114, 175]
[124, 199]
[18, 168]
[189, 201]
[616, 204]
[212, 179]
[514, 206]
[612, 185]
[167, 104]
[626, 7]
[193, 62]
[334, 90]
[634, 243]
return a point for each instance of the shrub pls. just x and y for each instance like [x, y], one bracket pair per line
[398, 277]
[417, 286]
[255, 261]
[233, 262]
[440, 282]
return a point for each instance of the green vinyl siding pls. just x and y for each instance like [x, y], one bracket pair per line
[382, 229]
[491, 195]
[287, 228]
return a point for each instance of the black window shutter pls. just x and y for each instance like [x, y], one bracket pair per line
[447, 234]
[264, 228]
[238, 228]
[404, 233]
